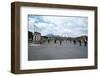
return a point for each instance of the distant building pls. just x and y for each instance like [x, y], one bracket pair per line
[44, 38]
[30, 36]
[36, 37]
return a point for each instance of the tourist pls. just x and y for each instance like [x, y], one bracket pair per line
[74, 41]
[79, 42]
[48, 41]
[60, 42]
[55, 41]
[85, 43]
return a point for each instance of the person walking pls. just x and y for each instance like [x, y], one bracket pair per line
[85, 43]
[48, 41]
[74, 41]
[55, 41]
[60, 42]
[79, 42]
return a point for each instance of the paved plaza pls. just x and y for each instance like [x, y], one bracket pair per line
[52, 50]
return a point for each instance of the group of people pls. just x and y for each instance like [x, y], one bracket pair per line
[71, 41]
[80, 42]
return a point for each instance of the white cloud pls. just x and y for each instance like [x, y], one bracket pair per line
[63, 26]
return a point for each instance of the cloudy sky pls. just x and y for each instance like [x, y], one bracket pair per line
[68, 26]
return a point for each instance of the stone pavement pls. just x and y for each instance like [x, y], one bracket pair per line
[48, 51]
